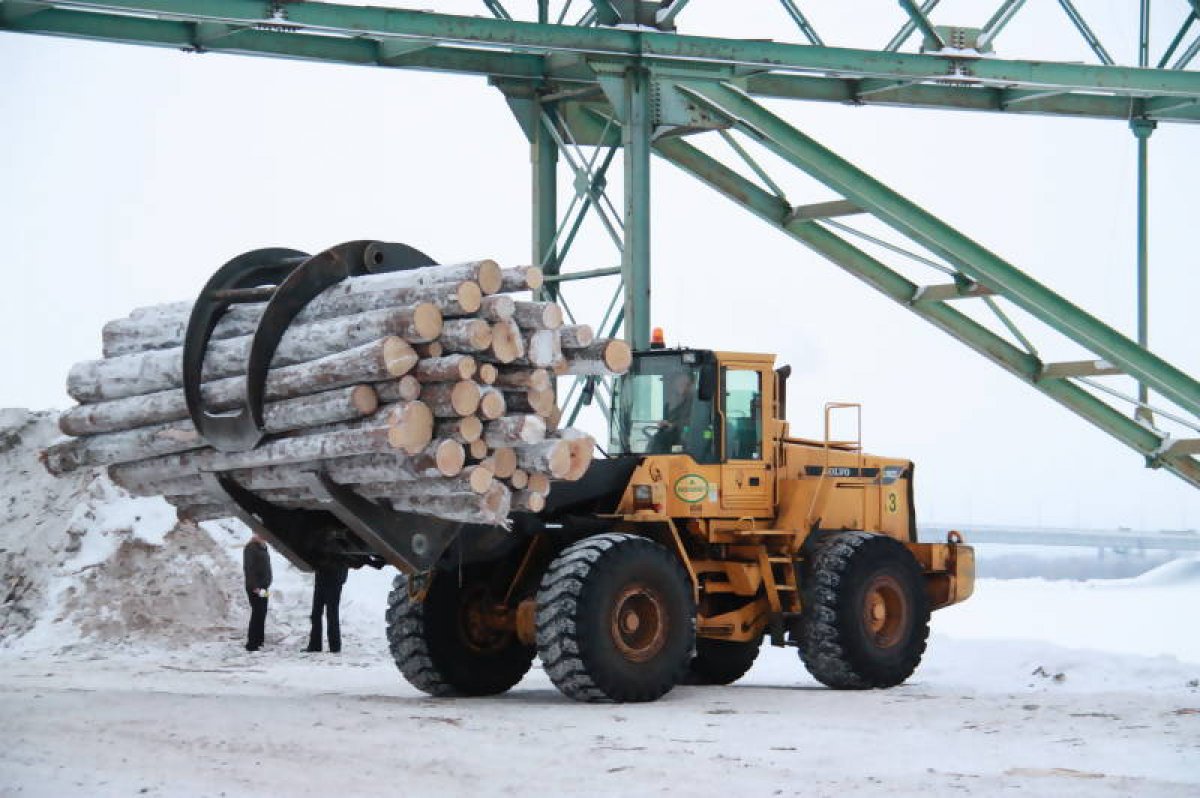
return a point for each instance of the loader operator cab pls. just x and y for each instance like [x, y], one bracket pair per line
[682, 401]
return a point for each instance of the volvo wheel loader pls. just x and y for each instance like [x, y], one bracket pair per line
[705, 529]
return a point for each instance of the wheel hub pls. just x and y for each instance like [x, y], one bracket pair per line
[639, 626]
[476, 625]
[885, 611]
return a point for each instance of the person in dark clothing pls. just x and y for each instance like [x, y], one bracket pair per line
[327, 593]
[256, 567]
[677, 413]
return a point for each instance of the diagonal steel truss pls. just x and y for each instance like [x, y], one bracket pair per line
[589, 81]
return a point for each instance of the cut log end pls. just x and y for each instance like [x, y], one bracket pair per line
[492, 404]
[449, 456]
[528, 501]
[398, 356]
[488, 373]
[364, 399]
[507, 344]
[470, 428]
[426, 321]
[408, 388]
[478, 449]
[504, 460]
[431, 349]
[539, 483]
[410, 426]
[479, 478]
[489, 276]
[465, 397]
[618, 356]
[581, 457]
[519, 479]
[534, 277]
[469, 296]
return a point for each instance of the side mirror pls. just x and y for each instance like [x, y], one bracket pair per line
[708, 384]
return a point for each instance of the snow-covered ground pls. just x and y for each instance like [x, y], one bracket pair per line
[122, 673]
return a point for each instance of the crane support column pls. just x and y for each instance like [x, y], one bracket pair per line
[1142, 128]
[635, 259]
[544, 158]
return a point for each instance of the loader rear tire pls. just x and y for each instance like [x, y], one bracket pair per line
[615, 619]
[865, 613]
[722, 661]
[442, 648]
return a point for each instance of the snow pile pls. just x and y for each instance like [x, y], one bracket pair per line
[1185, 571]
[86, 566]
[85, 563]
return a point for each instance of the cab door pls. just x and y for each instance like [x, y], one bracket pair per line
[747, 486]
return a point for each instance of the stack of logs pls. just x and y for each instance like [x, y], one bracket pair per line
[432, 389]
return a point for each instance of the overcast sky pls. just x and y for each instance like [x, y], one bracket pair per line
[130, 174]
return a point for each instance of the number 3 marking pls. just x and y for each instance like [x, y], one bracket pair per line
[891, 502]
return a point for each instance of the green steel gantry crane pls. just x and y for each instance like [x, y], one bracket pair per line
[614, 76]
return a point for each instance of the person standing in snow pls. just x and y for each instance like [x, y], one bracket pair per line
[327, 594]
[256, 566]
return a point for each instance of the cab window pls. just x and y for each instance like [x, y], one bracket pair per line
[658, 408]
[743, 414]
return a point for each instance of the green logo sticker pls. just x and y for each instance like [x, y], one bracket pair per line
[691, 488]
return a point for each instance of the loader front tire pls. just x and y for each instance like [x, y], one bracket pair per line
[442, 647]
[865, 613]
[615, 619]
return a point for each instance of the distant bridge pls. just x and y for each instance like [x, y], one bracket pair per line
[1162, 540]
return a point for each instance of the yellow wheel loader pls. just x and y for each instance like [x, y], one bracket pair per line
[705, 529]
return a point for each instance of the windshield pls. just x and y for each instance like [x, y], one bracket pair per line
[656, 409]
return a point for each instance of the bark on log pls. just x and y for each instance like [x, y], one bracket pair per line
[499, 307]
[284, 451]
[490, 508]
[538, 315]
[522, 278]
[530, 401]
[148, 329]
[180, 436]
[550, 457]
[378, 360]
[452, 399]
[519, 377]
[575, 336]
[466, 335]
[542, 350]
[514, 431]
[604, 356]
[197, 513]
[160, 370]
[449, 368]
[361, 469]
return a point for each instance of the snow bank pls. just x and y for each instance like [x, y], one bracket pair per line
[88, 567]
